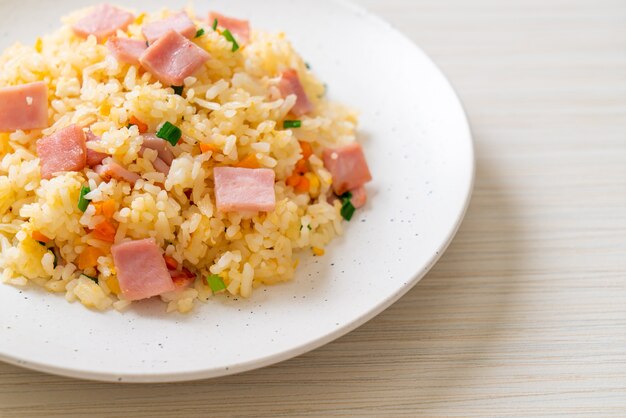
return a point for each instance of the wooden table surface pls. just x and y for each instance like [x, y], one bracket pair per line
[525, 314]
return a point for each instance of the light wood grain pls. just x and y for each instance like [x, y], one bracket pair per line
[526, 312]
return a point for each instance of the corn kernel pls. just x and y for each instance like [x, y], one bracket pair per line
[314, 184]
[318, 251]
[114, 285]
[140, 18]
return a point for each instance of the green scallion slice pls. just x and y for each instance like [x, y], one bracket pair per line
[200, 32]
[216, 283]
[292, 124]
[94, 279]
[54, 262]
[308, 66]
[170, 133]
[83, 202]
[229, 37]
[214, 24]
[347, 210]
[178, 90]
[346, 196]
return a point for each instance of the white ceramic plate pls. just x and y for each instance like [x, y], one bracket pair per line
[419, 148]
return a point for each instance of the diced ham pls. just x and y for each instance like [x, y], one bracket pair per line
[158, 164]
[347, 166]
[173, 58]
[126, 50]
[141, 270]
[244, 189]
[359, 197]
[290, 84]
[93, 157]
[161, 146]
[24, 107]
[178, 22]
[103, 21]
[64, 150]
[239, 28]
[110, 169]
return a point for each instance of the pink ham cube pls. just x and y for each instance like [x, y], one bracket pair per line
[126, 50]
[359, 197]
[141, 269]
[24, 107]
[93, 157]
[173, 58]
[348, 167]
[161, 146]
[103, 21]
[290, 84]
[110, 169]
[178, 22]
[62, 151]
[244, 189]
[239, 28]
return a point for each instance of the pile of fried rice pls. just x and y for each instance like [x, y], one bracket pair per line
[228, 111]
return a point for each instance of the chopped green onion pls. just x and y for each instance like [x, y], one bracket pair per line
[229, 36]
[147, 43]
[95, 279]
[215, 282]
[292, 124]
[214, 24]
[309, 226]
[170, 133]
[130, 125]
[42, 243]
[308, 66]
[200, 32]
[54, 262]
[347, 210]
[178, 90]
[82, 201]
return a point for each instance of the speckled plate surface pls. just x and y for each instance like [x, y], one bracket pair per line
[419, 147]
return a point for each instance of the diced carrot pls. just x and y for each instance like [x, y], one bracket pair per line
[98, 206]
[182, 278]
[89, 257]
[303, 185]
[108, 208]
[38, 236]
[208, 147]
[114, 285]
[170, 262]
[307, 150]
[302, 166]
[143, 128]
[105, 231]
[249, 162]
[293, 180]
